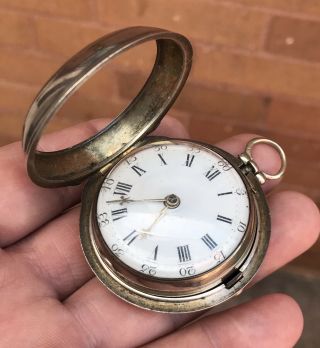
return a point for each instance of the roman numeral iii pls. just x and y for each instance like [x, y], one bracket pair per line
[184, 253]
[119, 214]
[189, 160]
[211, 174]
[122, 188]
[131, 237]
[210, 243]
[224, 219]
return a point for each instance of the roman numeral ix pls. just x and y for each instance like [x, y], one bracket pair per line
[184, 253]
[122, 188]
[210, 243]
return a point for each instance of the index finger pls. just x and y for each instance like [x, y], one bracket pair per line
[25, 206]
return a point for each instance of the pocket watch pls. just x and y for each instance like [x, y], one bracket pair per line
[166, 224]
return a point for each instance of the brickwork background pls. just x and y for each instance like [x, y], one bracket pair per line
[256, 68]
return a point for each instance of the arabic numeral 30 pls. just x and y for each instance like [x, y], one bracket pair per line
[160, 147]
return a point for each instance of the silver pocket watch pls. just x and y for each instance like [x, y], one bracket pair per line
[166, 224]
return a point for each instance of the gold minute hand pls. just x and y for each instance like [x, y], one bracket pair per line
[161, 214]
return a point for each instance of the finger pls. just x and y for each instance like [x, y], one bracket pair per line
[270, 321]
[27, 206]
[172, 127]
[115, 323]
[286, 239]
[295, 227]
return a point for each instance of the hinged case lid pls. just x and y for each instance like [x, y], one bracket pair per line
[72, 165]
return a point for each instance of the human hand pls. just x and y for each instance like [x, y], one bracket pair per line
[50, 298]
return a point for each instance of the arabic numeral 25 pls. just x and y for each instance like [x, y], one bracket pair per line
[151, 270]
[116, 250]
[184, 271]
[224, 165]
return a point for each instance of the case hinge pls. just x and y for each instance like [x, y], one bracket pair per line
[232, 278]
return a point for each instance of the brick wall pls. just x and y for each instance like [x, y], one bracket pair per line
[256, 67]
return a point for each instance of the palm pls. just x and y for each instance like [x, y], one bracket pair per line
[49, 297]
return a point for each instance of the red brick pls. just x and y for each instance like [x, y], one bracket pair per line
[70, 8]
[25, 67]
[16, 29]
[64, 38]
[267, 75]
[294, 38]
[212, 130]
[223, 104]
[311, 7]
[308, 177]
[13, 129]
[296, 148]
[197, 99]
[301, 153]
[299, 118]
[206, 21]
[16, 97]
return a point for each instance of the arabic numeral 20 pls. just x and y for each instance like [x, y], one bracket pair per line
[187, 271]
[151, 270]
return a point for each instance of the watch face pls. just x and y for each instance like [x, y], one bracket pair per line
[173, 210]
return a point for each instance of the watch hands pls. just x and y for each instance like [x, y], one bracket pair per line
[147, 231]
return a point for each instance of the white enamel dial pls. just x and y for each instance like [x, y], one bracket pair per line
[173, 211]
